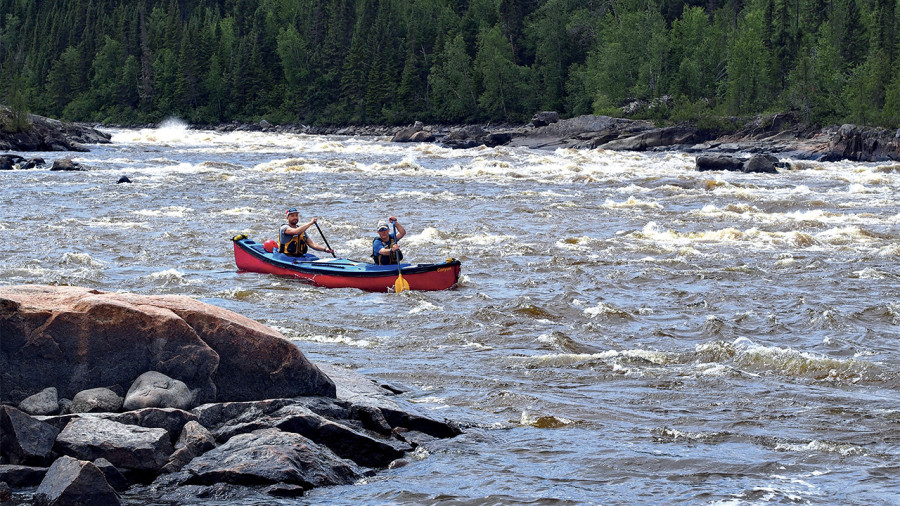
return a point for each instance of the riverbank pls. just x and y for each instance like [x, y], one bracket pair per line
[781, 135]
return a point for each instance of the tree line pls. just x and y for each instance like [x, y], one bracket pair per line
[341, 62]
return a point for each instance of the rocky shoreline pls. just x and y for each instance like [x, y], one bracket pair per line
[779, 135]
[238, 411]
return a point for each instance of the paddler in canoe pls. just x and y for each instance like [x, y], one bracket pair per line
[385, 247]
[293, 240]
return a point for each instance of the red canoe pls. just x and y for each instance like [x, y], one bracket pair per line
[251, 256]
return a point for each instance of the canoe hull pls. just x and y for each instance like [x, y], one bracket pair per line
[344, 273]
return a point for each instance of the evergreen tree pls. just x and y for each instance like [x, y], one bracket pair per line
[504, 83]
[453, 83]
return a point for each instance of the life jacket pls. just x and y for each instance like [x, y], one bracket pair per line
[386, 259]
[295, 247]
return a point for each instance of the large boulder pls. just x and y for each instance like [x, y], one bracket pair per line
[73, 482]
[75, 338]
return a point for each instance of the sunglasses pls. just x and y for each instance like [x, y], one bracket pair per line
[383, 229]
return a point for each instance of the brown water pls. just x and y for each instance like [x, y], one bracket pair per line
[626, 330]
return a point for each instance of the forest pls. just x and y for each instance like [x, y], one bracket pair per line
[392, 62]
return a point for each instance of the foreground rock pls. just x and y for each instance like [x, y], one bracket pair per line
[281, 446]
[45, 134]
[127, 447]
[326, 433]
[270, 456]
[74, 339]
[25, 440]
[72, 481]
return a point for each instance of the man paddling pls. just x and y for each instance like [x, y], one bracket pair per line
[293, 241]
[385, 250]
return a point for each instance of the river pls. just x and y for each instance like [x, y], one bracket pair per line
[626, 329]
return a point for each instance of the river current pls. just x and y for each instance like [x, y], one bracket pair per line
[626, 329]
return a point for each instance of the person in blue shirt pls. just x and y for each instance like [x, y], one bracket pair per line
[293, 241]
[385, 250]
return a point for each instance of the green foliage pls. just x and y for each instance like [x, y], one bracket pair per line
[453, 88]
[17, 119]
[333, 62]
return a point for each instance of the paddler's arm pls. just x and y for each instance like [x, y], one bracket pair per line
[301, 229]
[400, 230]
[316, 246]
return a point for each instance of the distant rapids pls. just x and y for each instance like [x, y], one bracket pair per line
[626, 329]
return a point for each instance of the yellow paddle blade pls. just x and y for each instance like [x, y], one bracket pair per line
[401, 284]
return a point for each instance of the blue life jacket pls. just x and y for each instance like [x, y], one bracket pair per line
[385, 259]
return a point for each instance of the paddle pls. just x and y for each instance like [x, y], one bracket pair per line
[401, 284]
[326, 240]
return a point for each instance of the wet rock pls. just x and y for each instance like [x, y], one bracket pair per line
[44, 402]
[22, 476]
[113, 476]
[271, 456]
[9, 162]
[126, 446]
[156, 390]
[73, 482]
[23, 439]
[761, 164]
[123, 179]
[341, 439]
[34, 163]
[5, 492]
[285, 491]
[66, 164]
[411, 421]
[195, 440]
[76, 338]
[96, 400]
[719, 162]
